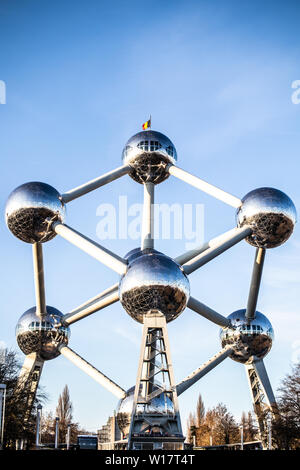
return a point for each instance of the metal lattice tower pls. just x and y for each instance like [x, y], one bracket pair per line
[153, 288]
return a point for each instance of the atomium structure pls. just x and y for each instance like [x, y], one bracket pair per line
[153, 289]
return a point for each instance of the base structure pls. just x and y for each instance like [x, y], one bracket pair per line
[155, 420]
[264, 403]
[28, 380]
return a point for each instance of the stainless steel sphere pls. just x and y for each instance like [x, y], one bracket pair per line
[270, 213]
[248, 340]
[41, 335]
[153, 282]
[161, 405]
[148, 153]
[27, 209]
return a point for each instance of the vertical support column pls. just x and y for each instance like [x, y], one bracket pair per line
[155, 418]
[39, 283]
[148, 217]
[29, 378]
[262, 397]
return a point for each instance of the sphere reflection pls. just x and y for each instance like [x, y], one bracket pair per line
[247, 339]
[41, 335]
[153, 282]
[148, 153]
[27, 209]
[270, 213]
[161, 405]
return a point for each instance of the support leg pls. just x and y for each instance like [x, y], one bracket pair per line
[28, 380]
[155, 413]
[262, 397]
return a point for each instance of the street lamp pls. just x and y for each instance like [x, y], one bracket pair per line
[269, 424]
[68, 436]
[242, 437]
[211, 436]
[56, 431]
[38, 425]
[2, 412]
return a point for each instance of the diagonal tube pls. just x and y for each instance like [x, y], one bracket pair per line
[91, 371]
[148, 217]
[106, 298]
[208, 312]
[211, 253]
[95, 183]
[255, 283]
[203, 370]
[204, 186]
[113, 261]
[261, 372]
[188, 255]
[39, 282]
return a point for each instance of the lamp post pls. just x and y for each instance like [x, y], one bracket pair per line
[56, 431]
[2, 412]
[38, 425]
[211, 436]
[68, 436]
[269, 421]
[242, 437]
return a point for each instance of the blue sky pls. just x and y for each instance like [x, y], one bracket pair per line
[216, 77]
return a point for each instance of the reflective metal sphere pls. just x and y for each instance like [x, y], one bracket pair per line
[148, 153]
[248, 340]
[41, 335]
[27, 209]
[154, 282]
[161, 404]
[271, 215]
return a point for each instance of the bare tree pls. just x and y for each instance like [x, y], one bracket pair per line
[64, 411]
[286, 426]
[250, 429]
[200, 411]
[226, 428]
[191, 427]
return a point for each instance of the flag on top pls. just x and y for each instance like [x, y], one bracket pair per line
[147, 124]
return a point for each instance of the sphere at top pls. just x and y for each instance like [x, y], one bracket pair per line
[270, 213]
[41, 335]
[148, 153]
[248, 340]
[162, 405]
[27, 209]
[153, 282]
